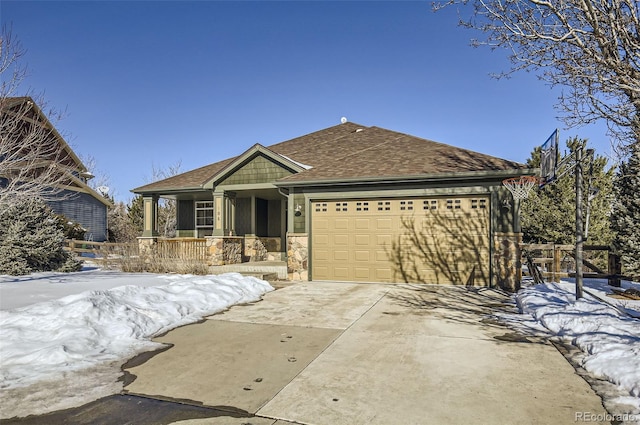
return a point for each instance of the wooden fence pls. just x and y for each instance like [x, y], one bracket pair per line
[100, 249]
[556, 261]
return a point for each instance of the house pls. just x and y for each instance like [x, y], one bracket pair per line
[353, 203]
[30, 138]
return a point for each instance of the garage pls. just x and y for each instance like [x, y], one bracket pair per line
[421, 240]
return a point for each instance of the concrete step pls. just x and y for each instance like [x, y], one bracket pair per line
[257, 268]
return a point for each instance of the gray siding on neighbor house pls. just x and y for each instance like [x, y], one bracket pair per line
[84, 209]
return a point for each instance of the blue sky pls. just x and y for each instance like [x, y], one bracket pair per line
[152, 83]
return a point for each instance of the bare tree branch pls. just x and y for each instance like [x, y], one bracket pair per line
[589, 47]
[34, 159]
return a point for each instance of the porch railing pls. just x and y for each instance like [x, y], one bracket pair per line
[183, 248]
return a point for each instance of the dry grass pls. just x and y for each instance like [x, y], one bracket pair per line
[130, 259]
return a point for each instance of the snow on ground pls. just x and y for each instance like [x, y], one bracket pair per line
[605, 329]
[65, 336]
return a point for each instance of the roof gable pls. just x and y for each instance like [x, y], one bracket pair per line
[256, 165]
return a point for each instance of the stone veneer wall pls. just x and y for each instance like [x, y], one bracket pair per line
[224, 250]
[507, 263]
[298, 256]
[257, 248]
[147, 246]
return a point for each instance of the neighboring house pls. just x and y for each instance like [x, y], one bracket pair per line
[72, 196]
[343, 204]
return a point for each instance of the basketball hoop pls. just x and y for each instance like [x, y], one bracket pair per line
[520, 186]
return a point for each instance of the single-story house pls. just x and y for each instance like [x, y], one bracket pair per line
[354, 203]
[27, 127]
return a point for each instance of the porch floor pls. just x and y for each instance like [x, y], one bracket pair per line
[261, 269]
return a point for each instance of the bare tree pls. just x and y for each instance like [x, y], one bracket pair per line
[167, 219]
[34, 159]
[592, 48]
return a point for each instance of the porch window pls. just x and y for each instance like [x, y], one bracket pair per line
[204, 214]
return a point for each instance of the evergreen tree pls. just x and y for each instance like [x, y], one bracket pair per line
[71, 229]
[548, 214]
[121, 229]
[31, 239]
[135, 211]
[625, 218]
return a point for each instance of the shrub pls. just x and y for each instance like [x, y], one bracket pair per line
[31, 239]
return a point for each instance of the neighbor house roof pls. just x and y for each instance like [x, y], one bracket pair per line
[350, 152]
[27, 113]
[25, 117]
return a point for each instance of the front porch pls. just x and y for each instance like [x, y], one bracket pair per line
[237, 210]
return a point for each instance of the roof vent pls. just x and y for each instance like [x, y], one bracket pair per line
[358, 130]
[343, 120]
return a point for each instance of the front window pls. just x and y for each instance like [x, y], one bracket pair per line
[204, 213]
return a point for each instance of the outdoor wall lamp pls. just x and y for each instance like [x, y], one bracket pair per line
[298, 210]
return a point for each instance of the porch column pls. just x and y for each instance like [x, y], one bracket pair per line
[229, 213]
[218, 214]
[150, 212]
[253, 215]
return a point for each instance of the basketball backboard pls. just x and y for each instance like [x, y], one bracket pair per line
[549, 159]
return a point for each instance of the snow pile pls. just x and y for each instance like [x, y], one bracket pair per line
[81, 339]
[609, 338]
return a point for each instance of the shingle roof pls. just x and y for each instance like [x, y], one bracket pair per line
[351, 151]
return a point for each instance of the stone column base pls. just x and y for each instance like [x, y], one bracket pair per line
[298, 256]
[507, 270]
[224, 250]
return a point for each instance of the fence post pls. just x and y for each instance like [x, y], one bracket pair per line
[557, 255]
[615, 269]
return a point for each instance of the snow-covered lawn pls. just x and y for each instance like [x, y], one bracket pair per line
[605, 329]
[64, 337]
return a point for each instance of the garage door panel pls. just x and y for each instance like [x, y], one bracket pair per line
[321, 239]
[362, 256]
[340, 240]
[383, 223]
[362, 223]
[321, 272]
[340, 255]
[321, 254]
[453, 232]
[321, 223]
[341, 224]
[382, 275]
[340, 273]
[362, 240]
[362, 273]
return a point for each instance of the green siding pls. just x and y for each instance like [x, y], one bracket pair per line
[186, 215]
[299, 221]
[243, 216]
[275, 221]
[259, 170]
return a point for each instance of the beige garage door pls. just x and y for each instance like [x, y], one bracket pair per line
[422, 240]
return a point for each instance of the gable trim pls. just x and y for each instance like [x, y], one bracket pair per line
[247, 156]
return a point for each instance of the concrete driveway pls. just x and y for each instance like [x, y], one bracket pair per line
[342, 353]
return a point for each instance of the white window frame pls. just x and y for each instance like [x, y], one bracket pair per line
[204, 206]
